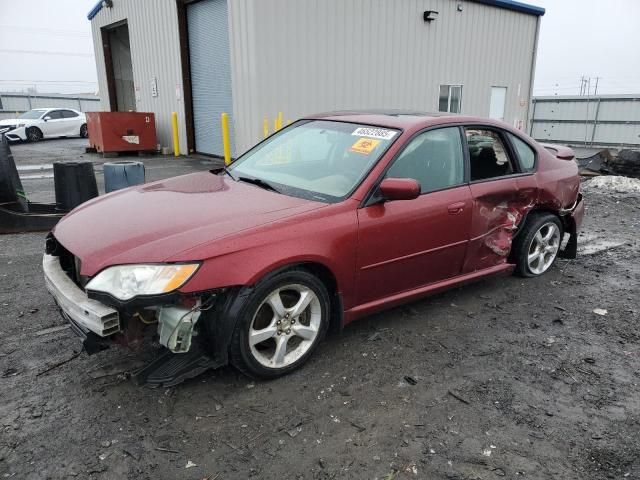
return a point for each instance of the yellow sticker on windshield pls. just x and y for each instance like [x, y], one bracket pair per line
[364, 145]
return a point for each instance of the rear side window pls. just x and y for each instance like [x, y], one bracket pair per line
[54, 114]
[526, 155]
[69, 114]
[487, 154]
[433, 158]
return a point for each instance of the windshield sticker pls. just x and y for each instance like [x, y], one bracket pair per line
[370, 132]
[364, 146]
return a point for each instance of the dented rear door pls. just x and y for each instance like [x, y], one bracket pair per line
[499, 206]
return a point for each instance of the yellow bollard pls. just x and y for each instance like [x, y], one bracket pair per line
[275, 125]
[224, 119]
[176, 140]
[265, 127]
[279, 120]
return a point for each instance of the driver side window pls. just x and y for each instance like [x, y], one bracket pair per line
[434, 158]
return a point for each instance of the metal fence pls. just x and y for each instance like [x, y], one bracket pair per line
[602, 121]
[17, 103]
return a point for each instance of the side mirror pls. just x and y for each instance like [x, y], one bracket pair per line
[399, 189]
[47, 118]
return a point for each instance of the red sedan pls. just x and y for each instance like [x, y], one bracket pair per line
[332, 218]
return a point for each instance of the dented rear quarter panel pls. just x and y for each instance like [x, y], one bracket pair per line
[502, 205]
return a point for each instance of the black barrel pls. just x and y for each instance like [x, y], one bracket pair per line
[75, 183]
[10, 185]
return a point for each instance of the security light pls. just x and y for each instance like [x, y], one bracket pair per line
[430, 15]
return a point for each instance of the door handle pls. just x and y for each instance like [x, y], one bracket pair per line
[456, 208]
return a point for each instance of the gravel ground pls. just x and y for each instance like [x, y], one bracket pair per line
[505, 378]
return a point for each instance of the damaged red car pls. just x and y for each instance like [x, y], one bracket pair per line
[332, 218]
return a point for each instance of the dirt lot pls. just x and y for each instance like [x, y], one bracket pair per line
[506, 378]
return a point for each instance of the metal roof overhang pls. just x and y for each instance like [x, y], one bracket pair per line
[513, 5]
[507, 4]
[94, 11]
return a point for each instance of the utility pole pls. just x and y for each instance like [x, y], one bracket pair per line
[581, 85]
[596, 90]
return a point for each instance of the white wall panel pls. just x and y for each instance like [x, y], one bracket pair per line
[305, 56]
[571, 119]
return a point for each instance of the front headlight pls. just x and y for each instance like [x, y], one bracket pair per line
[127, 281]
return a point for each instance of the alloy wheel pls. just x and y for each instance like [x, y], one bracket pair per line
[544, 248]
[34, 135]
[285, 326]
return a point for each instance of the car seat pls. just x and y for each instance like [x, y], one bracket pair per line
[485, 165]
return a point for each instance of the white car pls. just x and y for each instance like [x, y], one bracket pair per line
[40, 123]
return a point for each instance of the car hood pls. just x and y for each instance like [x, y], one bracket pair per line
[16, 121]
[155, 222]
[11, 121]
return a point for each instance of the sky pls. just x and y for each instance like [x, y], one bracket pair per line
[47, 45]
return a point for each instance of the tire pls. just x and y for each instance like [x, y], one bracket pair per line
[83, 131]
[536, 247]
[34, 134]
[273, 338]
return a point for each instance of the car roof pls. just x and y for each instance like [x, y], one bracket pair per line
[403, 119]
[42, 109]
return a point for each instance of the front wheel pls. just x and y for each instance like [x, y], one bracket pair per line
[34, 134]
[537, 246]
[281, 324]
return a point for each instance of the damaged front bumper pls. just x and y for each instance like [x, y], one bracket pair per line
[98, 322]
[86, 314]
[171, 318]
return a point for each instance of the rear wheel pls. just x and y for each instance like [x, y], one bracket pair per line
[83, 131]
[281, 325]
[34, 134]
[537, 246]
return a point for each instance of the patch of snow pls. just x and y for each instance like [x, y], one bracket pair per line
[589, 244]
[612, 183]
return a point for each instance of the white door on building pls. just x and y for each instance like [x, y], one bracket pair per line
[498, 101]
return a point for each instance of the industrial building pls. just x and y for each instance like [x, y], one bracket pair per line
[255, 58]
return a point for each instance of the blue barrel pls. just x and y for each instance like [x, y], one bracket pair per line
[119, 175]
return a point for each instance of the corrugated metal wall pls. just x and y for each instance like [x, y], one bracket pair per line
[19, 102]
[606, 120]
[208, 26]
[155, 52]
[305, 56]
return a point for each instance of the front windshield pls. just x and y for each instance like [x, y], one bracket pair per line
[32, 114]
[318, 159]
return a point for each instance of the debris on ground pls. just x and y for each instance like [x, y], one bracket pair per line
[50, 330]
[595, 164]
[410, 380]
[600, 311]
[624, 163]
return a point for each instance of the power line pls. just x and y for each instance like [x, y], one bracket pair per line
[44, 30]
[50, 81]
[45, 52]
